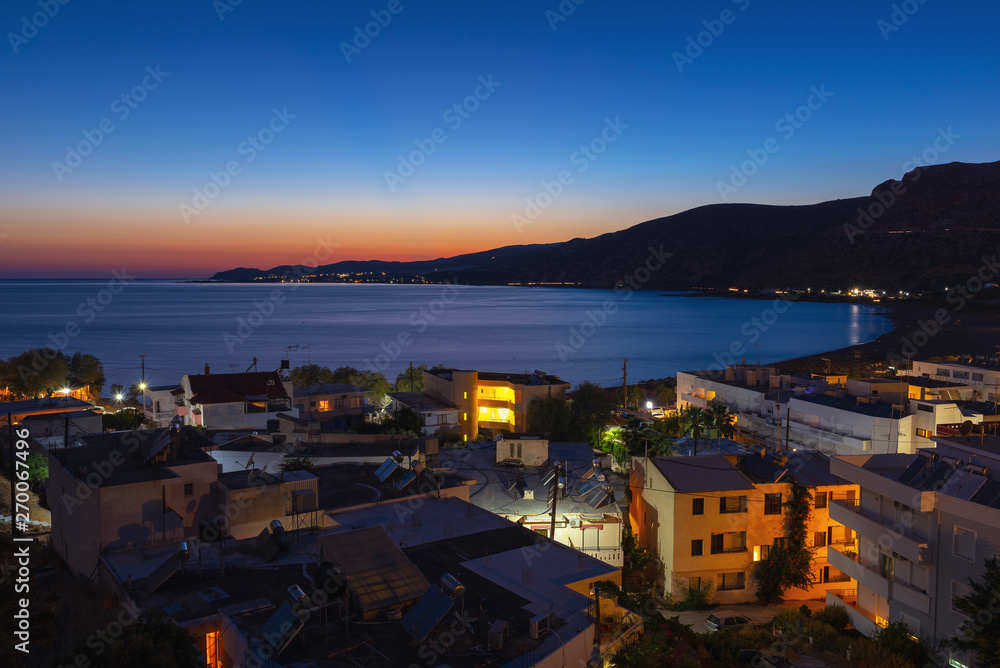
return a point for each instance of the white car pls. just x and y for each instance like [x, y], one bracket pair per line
[726, 621]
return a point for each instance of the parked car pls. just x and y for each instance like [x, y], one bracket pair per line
[726, 622]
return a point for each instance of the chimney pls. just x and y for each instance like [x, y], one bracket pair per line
[206, 369]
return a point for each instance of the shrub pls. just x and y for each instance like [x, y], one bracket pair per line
[834, 615]
[866, 653]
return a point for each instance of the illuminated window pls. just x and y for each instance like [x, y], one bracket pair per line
[923, 433]
[212, 649]
[465, 395]
[324, 404]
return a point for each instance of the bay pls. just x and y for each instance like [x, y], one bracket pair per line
[575, 334]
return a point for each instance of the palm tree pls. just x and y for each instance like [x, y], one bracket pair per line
[693, 421]
[720, 419]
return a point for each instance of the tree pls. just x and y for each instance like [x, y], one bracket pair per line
[374, 382]
[152, 642]
[310, 374]
[117, 389]
[665, 396]
[590, 408]
[720, 419]
[788, 565]
[298, 464]
[412, 379]
[981, 629]
[86, 370]
[635, 396]
[551, 416]
[38, 468]
[37, 371]
[693, 421]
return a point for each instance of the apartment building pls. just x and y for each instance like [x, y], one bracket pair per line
[234, 400]
[710, 518]
[926, 522]
[495, 403]
[980, 373]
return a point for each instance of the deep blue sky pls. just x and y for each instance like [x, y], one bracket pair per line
[324, 174]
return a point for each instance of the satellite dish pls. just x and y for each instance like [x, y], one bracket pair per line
[966, 428]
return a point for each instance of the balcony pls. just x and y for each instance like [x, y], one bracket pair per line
[864, 575]
[609, 555]
[496, 403]
[901, 544]
[911, 596]
[861, 619]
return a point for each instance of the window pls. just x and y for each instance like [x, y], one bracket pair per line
[696, 548]
[731, 581]
[779, 542]
[189, 489]
[324, 404]
[465, 395]
[761, 552]
[772, 504]
[819, 539]
[733, 541]
[732, 504]
[544, 532]
[959, 590]
[943, 372]
[964, 544]
[923, 433]
[885, 566]
[925, 408]
[698, 506]
[821, 499]
[961, 375]
[977, 377]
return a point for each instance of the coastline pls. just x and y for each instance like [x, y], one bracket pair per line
[916, 334]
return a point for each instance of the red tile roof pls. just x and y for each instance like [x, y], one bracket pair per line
[226, 388]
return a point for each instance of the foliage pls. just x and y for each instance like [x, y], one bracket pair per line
[117, 389]
[724, 647]
[661, 645]
[693, 421]
[152, 642]
[665, 396]
[36, 371]
[551, 416]
[789, 565]
[86, 370]
[123, 420]
[693, 598]
[590, 409]
[637, 558]
[306, 464]
[834, 615]
[981, 630]
[310, 374]
[38, 468]
[722, 421]
[404, 421]
[412, 379]
[897, 638]
[866, 653]
[636, 601]
[635, 395]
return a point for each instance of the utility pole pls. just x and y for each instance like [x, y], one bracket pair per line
[66, 433]
[411, 376]
[788, 425]
[625, 383]
[555, 501]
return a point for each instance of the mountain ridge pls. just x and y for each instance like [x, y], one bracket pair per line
[934, 224]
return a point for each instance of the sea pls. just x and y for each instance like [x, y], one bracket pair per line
[576, 334]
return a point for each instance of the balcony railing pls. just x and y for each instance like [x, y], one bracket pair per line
[729, 550]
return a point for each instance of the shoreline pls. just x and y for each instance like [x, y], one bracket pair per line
[920, 330]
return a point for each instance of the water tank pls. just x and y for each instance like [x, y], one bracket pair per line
[297, 596]
[452, 586]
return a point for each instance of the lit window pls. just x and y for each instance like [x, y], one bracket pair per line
[324, 404]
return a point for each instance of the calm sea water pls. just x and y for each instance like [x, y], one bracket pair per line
[576, 334]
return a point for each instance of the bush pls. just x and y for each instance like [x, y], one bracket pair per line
[834, 615]
[805, 611]
[692, 598]
[866, 653]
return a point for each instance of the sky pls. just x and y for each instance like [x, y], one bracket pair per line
[177, 139]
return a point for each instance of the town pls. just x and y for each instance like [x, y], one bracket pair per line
[315, 517]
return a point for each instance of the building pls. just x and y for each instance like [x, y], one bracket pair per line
[514, 478]
[410, 581]
[494, 403]
[327, 401]
[709, 518]
[124, 490]
[234, 400]
[982, 374]
[437, 416]
[161, 402]
[926, 523]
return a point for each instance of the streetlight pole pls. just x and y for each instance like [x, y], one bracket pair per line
[142, 386]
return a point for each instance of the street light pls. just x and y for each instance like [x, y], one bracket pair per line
[649, 405]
